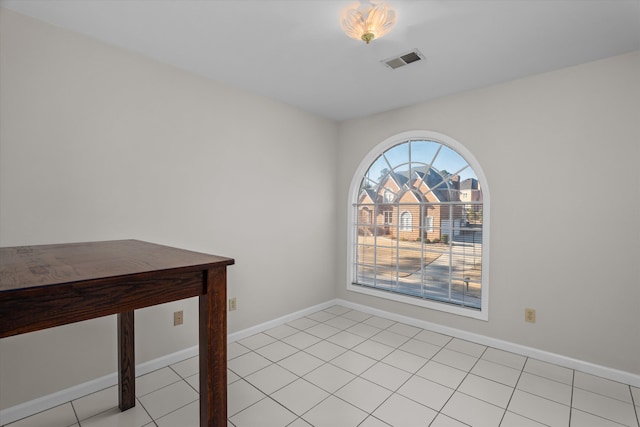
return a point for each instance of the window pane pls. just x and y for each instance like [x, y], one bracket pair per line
[449, 162]
[423, 151]
[377, 171]
[419, 225]
[398, 155]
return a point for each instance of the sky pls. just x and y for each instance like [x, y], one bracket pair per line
[421, 153]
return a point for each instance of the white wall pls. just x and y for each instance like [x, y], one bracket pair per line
[97, 143]
[569, 139]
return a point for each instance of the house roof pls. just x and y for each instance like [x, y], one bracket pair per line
[469, 184]
[436, 183]
[369, 192]
[399, 178]
[443, 189]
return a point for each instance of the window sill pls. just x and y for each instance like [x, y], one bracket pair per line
[473, 313]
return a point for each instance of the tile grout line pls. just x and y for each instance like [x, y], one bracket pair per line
[573, 387]
[393, 392]
[635, 407]
[412, 374]
[153, 420]
[73, 408]
[145, 410]
[515, 387]
[464, 378]
[346, 350]
[456, 389]
[298, 376]
[356, 376]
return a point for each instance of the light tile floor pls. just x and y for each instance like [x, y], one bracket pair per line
[345, 368]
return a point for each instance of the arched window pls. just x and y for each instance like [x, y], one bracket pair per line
[405, 221]
[436, 253]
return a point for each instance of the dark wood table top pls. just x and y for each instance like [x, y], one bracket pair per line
[24, 267]
[45, 286]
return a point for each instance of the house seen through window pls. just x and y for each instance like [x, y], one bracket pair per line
[424, 245]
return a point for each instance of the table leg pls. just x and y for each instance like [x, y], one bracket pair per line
[213, 350]
[126, 361]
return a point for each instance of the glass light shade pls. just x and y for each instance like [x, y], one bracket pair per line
[368, 24]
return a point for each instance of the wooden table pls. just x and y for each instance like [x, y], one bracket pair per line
[51, 285]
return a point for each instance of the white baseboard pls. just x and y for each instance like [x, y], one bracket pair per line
[43, 403]
[279, 321]
[49, 401]
[545, 356]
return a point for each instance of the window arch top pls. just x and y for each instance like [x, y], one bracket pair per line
[423, 166]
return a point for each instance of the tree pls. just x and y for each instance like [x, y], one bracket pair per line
[383, 173]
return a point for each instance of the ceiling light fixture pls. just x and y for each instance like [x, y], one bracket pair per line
[367, 22]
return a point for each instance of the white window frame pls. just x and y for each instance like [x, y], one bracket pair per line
[406, 220]
[429, 223]
[389, 220]
[367, 161]
[389, 196]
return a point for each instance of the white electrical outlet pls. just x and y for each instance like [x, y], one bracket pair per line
[178, 318]
[233, 304]
[529, 315]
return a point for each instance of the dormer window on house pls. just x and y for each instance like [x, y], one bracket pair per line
[388, 196]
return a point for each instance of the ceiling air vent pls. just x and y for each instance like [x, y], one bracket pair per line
[404, 59]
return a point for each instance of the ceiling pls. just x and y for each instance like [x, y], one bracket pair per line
[294, 50]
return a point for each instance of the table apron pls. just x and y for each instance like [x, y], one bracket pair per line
[39, 308]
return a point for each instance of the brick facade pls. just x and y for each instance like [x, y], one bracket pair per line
[401, 209]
